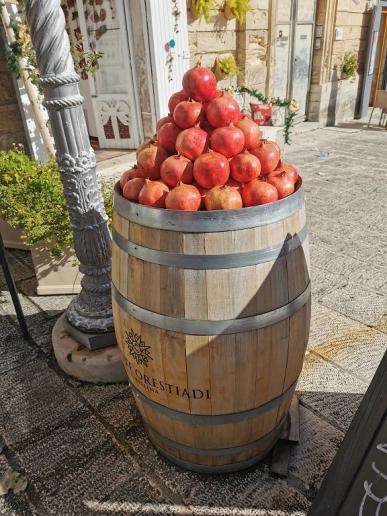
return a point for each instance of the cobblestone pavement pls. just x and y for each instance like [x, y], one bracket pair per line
[82, 447]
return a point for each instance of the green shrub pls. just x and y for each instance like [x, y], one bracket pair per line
[203, 8]
[349, 64]
[31, 199]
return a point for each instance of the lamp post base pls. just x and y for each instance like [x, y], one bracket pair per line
[99, 366]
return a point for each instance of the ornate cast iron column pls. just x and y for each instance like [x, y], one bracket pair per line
[91, 311]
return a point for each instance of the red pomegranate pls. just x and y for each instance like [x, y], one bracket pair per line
[187, 113]
[175, 169]
[163, 120]
[245, 167]
[251, 132]
[153, 193]
[166, 136]
[199, 83]
[235, 184]
[129, 174]
[268, 154]
[192, 142]
[133, 188]
[145, 145]
[223, 198]
[283, 182]
[211, 169]
[229, 140]
[183, 197]
[258, 192]
[177, 97]
[150, 159]
[287, 167]
[223, 110]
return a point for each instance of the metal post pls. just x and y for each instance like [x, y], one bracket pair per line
[91, 311]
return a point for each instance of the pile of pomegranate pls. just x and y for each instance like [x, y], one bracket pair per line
[207, 154]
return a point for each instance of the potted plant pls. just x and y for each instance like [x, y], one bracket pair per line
[202, 8]
[32, 201]
[237, 9]
[225, 66]
[349, 65]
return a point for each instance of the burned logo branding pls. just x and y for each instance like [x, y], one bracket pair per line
[137, 348]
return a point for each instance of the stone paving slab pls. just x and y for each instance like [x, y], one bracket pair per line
[51, 305]
[254, 489]
[359, 303]
[34, 400]
[15, 351]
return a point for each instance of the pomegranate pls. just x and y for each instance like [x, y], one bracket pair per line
[166, 136]
[283, 182]
[258, 192]
[229, 140]
[192, 142]
[145, 145]
[153, 193]
[223, 198]
[187, 113]
[129, 174]
[183, 197]
[223, 110]
[199, 83]
[175, 169]
[235, 184]
[203, 192]
[268, 154]
[177, 97]
[211, 169]
[251, 132]
[287, 167]
[245, 167]
[132, 188]
[150, 159]
[163, 120]
[218, 93]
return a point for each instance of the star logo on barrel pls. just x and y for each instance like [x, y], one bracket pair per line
[137, 348]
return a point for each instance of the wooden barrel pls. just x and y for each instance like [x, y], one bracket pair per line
[212, 312]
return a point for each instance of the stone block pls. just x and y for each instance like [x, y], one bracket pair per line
[216, 41]
[52, 305]
[257, 19]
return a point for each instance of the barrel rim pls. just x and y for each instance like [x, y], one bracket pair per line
[212, 327]
[210, 261]
[208, 221]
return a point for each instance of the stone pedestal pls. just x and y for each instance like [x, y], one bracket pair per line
[101, 366]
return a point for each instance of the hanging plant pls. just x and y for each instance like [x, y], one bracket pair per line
[290, 105]
[349, 65]
[176, 14]
[225, 66]
[237, 9]
[86, 61]
[202, 8]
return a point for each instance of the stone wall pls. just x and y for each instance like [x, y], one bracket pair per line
[246, 42]
[11, 125]
[333, 100]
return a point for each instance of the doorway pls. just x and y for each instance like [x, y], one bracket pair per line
[111, 104]
[294, 32]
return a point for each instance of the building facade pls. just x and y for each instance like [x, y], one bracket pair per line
[284, 48]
